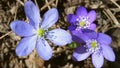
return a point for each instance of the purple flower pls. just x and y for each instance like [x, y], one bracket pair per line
[35, 32]
[82, 19]
[95, 44]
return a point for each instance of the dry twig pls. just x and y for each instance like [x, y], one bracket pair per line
[19, 1]
[115, 3]
[47, 5]
[5, 34]
[110, 15]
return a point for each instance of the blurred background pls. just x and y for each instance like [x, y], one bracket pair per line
[108, 21]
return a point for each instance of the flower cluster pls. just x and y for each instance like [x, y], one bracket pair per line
[89, 42]
[35, 32]
[93, 43]
[82, 19]
[82, 29]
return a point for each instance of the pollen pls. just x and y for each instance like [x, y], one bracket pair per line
[93, 44]
[82, 23]
[40, 32]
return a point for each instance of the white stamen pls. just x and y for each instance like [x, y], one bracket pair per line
[85, 20]
[89, 46]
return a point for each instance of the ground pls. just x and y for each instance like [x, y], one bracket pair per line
[108, 21]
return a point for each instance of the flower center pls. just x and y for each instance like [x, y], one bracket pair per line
[81, 23]
[40, 32]
[92, 45]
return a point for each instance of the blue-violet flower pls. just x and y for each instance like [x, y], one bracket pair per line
[93, 43]
[82, 19]
[35, 32]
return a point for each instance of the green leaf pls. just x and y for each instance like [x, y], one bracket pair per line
[72, 45]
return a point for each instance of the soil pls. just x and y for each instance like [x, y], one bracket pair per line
[108, 21]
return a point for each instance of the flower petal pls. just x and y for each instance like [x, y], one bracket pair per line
[108, 52]
[104, 39]
[91, 16]
[49, 18]
[21, 28]
[72, 27]
[59, 37]
[43, 49]
[81, 11]
[80, 57]
[26, 45]
[78, 36]
[32, 12]
[71, 18]
[89, 33]
[80, 53]
[97, 60]
[78, 39]
[81, 49]
[93, 26]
